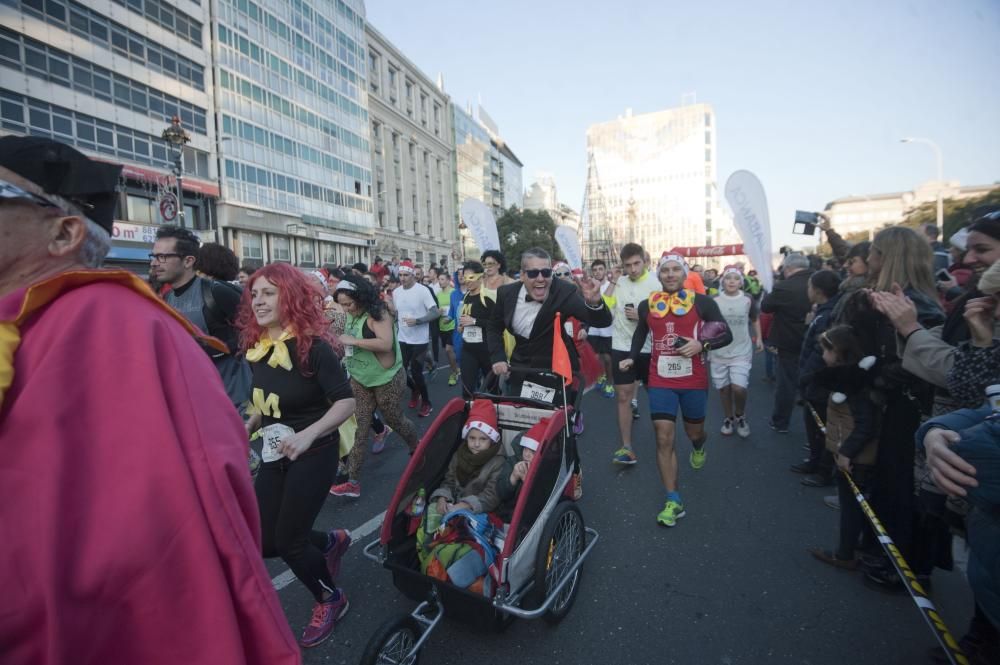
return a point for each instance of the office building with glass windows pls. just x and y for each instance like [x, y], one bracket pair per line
[412, 151]
[652, 180]
[485, 166]
[107, 77]
[294, 145]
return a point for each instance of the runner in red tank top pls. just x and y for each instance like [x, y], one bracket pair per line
[683, 326]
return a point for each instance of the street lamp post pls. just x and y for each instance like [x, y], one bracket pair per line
[175, 135]
[940, 176]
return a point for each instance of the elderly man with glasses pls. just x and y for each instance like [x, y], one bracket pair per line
[128, 514]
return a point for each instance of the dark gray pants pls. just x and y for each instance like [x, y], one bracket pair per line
[786, 389]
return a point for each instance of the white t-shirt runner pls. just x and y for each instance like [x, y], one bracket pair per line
[413, 303]
[739, 311]
[628, 292]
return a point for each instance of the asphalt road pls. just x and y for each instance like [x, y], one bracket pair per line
[732, 584]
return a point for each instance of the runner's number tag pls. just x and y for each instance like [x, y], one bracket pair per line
[673, 367]
[534, 391]
[273, 434]
[472, 334]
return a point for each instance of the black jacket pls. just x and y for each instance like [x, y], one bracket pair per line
[789, 302]
[811, 358]
[535, 350]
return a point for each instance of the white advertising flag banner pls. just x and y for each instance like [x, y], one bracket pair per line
[749, 204]
[480, 222]
[569, 243]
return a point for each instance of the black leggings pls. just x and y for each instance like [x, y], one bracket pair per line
[475, 366]
[413, 361]
[290, 496]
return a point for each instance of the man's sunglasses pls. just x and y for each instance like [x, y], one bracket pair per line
[544, 272]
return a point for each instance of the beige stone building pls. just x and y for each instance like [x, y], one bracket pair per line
[412, 154]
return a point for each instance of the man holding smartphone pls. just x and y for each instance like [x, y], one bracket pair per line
[623, 298]
[682, 326]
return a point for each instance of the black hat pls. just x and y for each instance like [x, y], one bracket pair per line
[66, 172]
[360, 267]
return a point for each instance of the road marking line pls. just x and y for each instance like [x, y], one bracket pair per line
[369, 527]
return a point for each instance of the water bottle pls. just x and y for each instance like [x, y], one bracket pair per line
[419, 503]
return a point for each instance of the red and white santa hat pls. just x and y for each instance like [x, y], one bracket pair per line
[406, 267]
[483, 417]
[532, 439]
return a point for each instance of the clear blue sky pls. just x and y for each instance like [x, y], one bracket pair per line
[810, 96]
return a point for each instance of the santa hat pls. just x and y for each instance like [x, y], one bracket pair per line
[733, 270]
[532, 439]
[483, 417]
[667, 256]
[406, 267]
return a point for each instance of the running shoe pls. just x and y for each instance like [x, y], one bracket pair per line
[414, 399]
[671, 512]
[378, 444]
[453, 378]
[601, 382]
[578, 424]
[742, 427]
[727, 427]
[624, 456]
[635, 409]
[337, 542]
[780, 429]
[425, 410]
[697, 458]
[324, 617]
[351, 488]
[609, 391]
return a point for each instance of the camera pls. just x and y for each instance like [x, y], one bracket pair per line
[805, 223]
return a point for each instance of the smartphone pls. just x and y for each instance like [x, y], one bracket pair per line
[943, 275]
[805, 223]
[680, 341]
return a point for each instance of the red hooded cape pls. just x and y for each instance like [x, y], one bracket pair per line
[128, 523]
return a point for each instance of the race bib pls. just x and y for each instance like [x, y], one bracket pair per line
[673, 367]
[473, 334]
[348, 350]
[534, 391]
[273, 434]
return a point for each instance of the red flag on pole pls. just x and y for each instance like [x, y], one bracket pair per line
[560, 356]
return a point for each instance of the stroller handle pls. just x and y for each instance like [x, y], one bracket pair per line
[490, 379]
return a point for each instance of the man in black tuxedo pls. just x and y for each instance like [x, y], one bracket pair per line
[527, 309]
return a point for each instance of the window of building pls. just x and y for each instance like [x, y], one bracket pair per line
[280, 249]
[423, 109]
[139, 209]
[251, 245]
[708, 155]
[374, 77]
[306, 252]
[437, 120]
[393, 83]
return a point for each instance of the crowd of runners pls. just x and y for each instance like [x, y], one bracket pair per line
[888, 348]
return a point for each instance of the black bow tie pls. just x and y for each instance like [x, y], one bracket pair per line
[528, 298]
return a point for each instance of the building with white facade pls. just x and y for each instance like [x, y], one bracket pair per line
[293, 113]
[412, 154]
[107, 76]
[652, 180]
[860, 214]
[543, 195]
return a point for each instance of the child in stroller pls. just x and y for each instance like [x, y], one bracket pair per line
[515, 469]
[470, 482]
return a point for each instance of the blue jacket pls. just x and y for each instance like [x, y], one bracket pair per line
[980, 447]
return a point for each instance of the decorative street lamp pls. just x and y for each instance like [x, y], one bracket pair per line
[175, 135]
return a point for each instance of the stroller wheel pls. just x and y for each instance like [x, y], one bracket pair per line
[561, 545]
[392, 643]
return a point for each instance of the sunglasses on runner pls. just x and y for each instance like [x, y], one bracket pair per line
[544, 272]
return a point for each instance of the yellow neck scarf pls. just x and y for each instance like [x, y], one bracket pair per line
[680, 303]
[280, 355]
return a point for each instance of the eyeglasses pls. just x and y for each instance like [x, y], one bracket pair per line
[12, 192]
[562, 274]
[544, 272]
[162, 258]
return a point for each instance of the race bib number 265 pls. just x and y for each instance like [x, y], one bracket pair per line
[673, 367]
